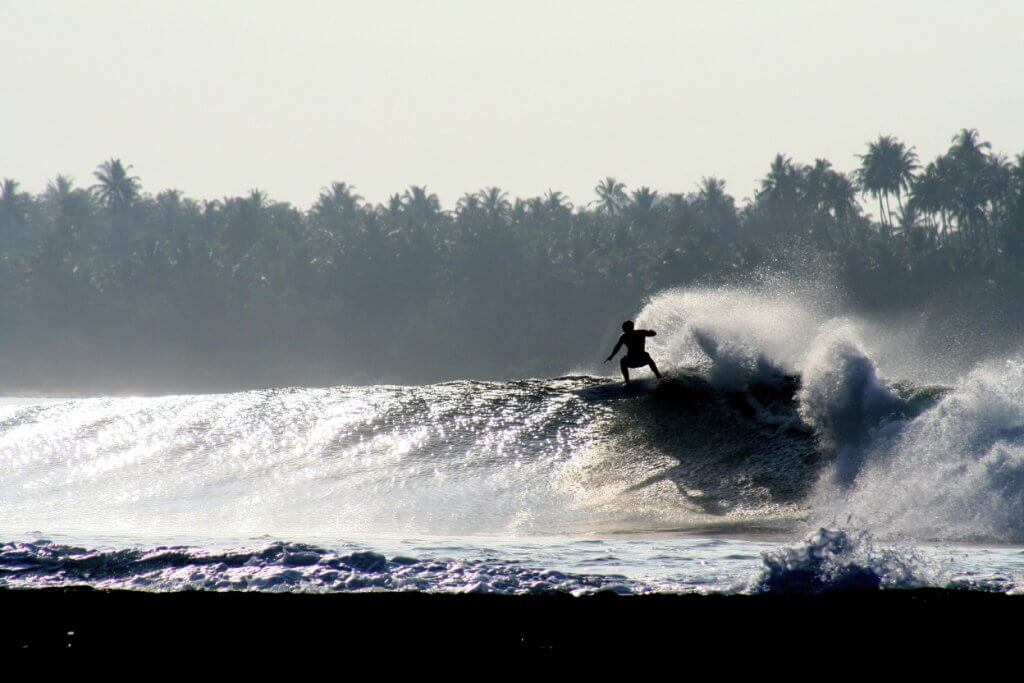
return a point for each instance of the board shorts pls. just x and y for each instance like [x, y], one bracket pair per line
[637, 361]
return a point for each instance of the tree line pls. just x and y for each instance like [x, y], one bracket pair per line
[105, 284]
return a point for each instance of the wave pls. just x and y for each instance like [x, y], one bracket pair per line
[777, 416]
[538, 456]
[954, 472]
[898, 458]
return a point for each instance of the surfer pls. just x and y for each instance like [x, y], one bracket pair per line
[636, 356]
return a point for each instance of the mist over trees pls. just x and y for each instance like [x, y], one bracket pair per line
[106, 287]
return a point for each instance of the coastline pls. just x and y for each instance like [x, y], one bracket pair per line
[84, 621]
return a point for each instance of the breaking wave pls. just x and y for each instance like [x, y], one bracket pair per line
[777, 416]
[897, 458]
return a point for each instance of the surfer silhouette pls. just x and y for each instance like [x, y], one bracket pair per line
[636, 356]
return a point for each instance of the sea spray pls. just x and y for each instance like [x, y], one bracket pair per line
[842, 398]
[906, 460]
[735, 329]
[735, 366]
[832, 559]
[954, 472]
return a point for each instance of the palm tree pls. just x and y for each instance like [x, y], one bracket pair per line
[840, 196]
[337, 201]
[469, 217]
[830, 196]
[780, 192]
[715, 207]
[678, 204]
[971, 171]
[469, 203]
[394, 206]
[60, 192]
[905, 164]
[611, 195]
[60, 198]
[814, 183]
[1017, 173]
[169, 204]
[711, 192]
[933, 192]
[247, 219]
[520, 210]
[911, 227]
[258, 198]
[14, 204]
[999, 179]
[116, 189]
[926, 198]
[872, 179]
[415, 245]
[642, 206]
[495, 203]
[967, 145]
[14, 215]
[887, 168]
[420, 205]
[556, 201]
[831, 191]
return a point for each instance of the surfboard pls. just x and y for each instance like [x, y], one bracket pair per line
[617, 390]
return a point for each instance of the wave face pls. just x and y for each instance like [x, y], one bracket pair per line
[776, 416]
[458, 458]
[546, 456]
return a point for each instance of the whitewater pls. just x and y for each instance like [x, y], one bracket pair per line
[790, 448]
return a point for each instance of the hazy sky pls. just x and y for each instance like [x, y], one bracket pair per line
[215, 98]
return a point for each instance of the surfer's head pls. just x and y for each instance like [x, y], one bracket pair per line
[627, 326]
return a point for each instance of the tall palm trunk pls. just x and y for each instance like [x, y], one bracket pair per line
[881, 213]
[888, 210]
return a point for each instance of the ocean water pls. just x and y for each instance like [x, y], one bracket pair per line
[781, 453]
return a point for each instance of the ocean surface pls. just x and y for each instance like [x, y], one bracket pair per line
[781, 453]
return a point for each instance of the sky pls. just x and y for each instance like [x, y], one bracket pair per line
[217, 98]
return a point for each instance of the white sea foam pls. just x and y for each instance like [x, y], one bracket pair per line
[732, 332]
[954, 472]
[949, 468]
[832, 559]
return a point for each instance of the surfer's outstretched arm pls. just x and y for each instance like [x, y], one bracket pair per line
[649, 333]
[616, 349]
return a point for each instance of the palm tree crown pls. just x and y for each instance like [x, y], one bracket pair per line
[116, 189]
[611, 195]
[887, 169]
